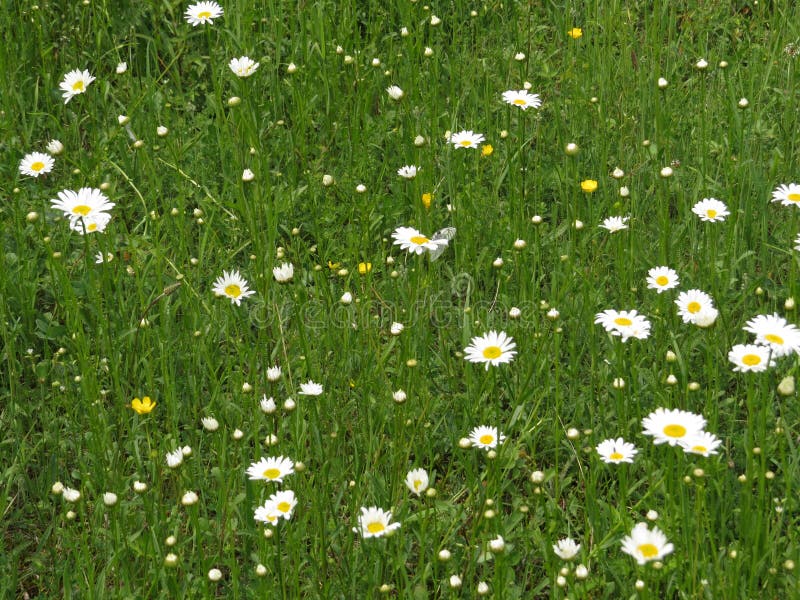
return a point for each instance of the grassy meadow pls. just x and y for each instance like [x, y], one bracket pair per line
[232, 341]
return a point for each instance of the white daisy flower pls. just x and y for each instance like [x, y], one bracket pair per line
[645, 545]
[75, 82]
[407, 172]
[271, 469]
[614, 224]
[36, 163]
[671, 426]
[86, 202]
[750, 357]
[375, 522]
[233, 286]
[486, 437]
[310, 388]
[466, 139]
[566, 549]
[284, 503]
[625, 324]
[692, 303]
[175, 458]
[522, 98]
[493, 348]
[662, 279]
[772, 330]
[92, 224]
[283, 273]
[415, 242]
[711, 210]
[616, 451]
[243, 66]
[395, 93]
[703, 443]
[267, 513]
[202, 13]
[787, 195]
[417, 481]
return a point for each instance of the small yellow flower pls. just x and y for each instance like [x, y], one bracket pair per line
[588, 185]
[364, 267]
[575, 33]
[143, 406]
[486, 150]
[334, 265]
[426, 200]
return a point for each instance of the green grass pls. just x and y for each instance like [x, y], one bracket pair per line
[81, 340]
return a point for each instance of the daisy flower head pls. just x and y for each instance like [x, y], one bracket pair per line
[703, 443]
[616, 451]
[522, 98]
[244, 66]
[751, 357]
[175, 458]
[284, 503]
[233, 286]
[415, 242]
[417, 481]
[671, 426]
[787, 195]
[267, 513]
[486, 437]
[493, 348]
[92, 224]
[375, 522]
[395, 92]
[662, 279]
[625, 324]
[85, 203]
[466, 139]
[645, 544]
[614, 224]
[407, 171]
[566, 549]
[771, 330]
[271, 469]
[310, 388]
[692, 303]
[797, 242]
[711, 210]
[283, 273]
[202, 13]
[75, 82]
[36, 163]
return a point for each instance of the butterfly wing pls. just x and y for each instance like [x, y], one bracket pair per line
[448, 233]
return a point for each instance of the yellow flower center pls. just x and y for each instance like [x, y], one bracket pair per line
[206, 14]
[37, 166]
[492, 352]
[486, 439]
[675, 431]
[774, 339]
[662, 280]
[623, 322]
[233, 290]
[520, 101]
[77, 86]
[699, 449]
[615, 456]
[82, 210]
[419, 240]
[647, 550]
[91, 227]
[751, 359]
[417, 483]
[711, 213]
[272, 473]
[376, 527]
[284, 507]
[693, 307]
[794, 197]
[466, 143]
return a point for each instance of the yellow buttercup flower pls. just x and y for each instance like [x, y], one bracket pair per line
[575, 33]
[486, 150]
[364, 267]
[143, 406]
[426, 200]
[588, 185]
[334, 265]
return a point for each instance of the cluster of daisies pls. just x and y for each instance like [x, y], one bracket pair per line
[87, 209]
[774, 338]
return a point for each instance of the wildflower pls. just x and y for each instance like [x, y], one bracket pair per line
[466, 139]
[85, 203]
[497, 545]
[662, 279]
[435, 20]
[407, 172]
[645, 545]
[139, 487]
[243, 66]
[161, 131]
[202, 13]
[672, 426]
[588, 185]
[122, 67]
[787, 195]
[665, 172]
[786, 387]
[248, 175]
[486, 150]
[346, 298]
[233, 286]
[771, 330]
[617, 173]
[486, 437]
[662, 83]
[174, 458]
[614, 224]
[703, 443]
[271, 469]
[36, 163]
[284, 503]
[399, 396]
[750, 357]
[625, 324]
[267, 513]
[210, 423]
[143, 406]
[395, 93]
[412, 240]
[75, 82]
[213, 574]
[571, 149]
[375, 522]
[396, 328]
[711, 210]
[189, 498]
[522, 98]
[482, 589]
[575, 33]
[492, 349]
[327, 180]
[54, 147]
[566, 549]
[455, 581]
[70, 495]
[701, 64]
[616, 451]
[94, 224]
[100, 259]
[283, 273]
[417, 481]
[110, 498]
[692, 303]
[310, 389]
[274, 373]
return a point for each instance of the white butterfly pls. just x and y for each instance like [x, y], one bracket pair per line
[448, 233]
